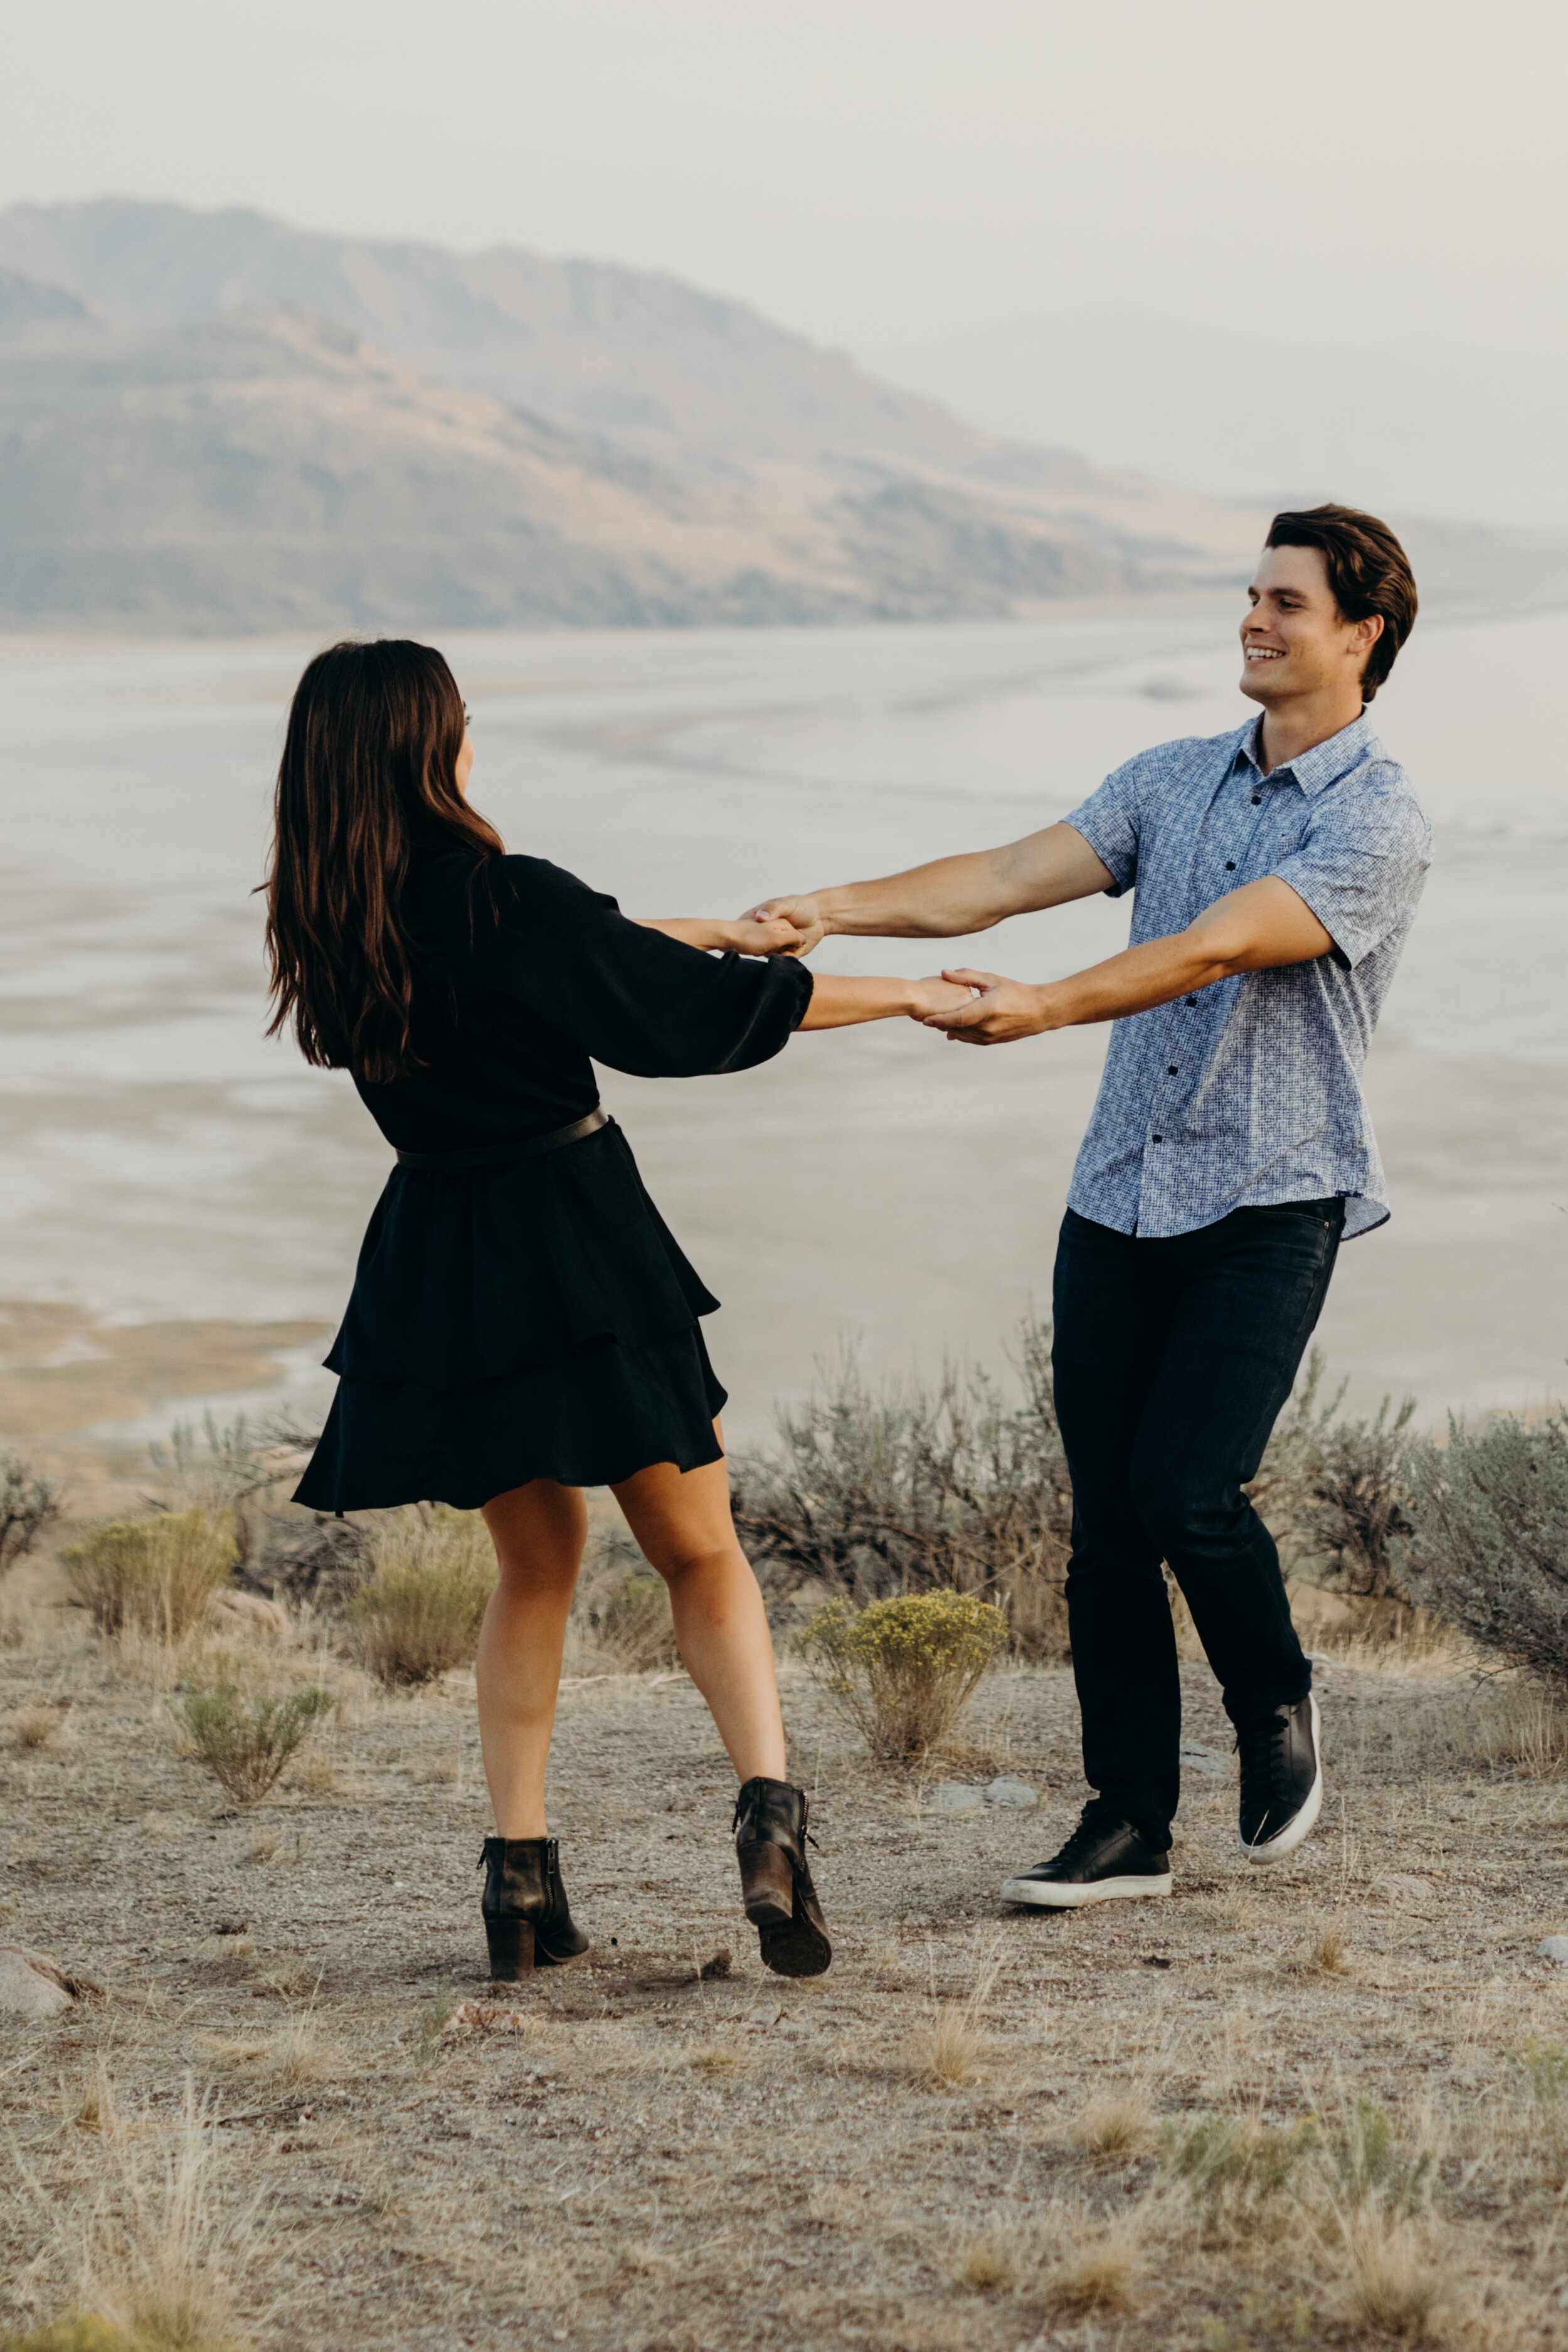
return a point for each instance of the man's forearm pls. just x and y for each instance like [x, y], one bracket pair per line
[1138, 978]
[944, 900]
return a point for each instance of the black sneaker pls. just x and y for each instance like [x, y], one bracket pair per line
[1281, 1780]
[1104, 1858]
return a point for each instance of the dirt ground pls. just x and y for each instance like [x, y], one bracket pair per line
[297, 2117]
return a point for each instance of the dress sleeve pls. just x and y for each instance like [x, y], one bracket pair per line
[1360, 869]
[1108, 822]
[634, 998]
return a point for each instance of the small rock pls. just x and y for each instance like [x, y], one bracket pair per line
[1397, 1881]
[230, 1611]
[31, 1986]
[1206, 1759]
[719, 1966]
[1005, 1792]
[761, 2019]
[956, 1797]
[1556, 1948]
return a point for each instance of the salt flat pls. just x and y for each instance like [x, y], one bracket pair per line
[166, 1163]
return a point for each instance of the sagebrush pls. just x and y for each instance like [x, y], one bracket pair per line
[634, 1626]
[903, 1668]
[916, 1489]
[1333, 1494]
[1490, 1549]
[420, 1610]
[27, 1506]
[153, 1576]
[249, 1741]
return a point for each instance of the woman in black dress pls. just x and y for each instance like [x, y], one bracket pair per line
[523, 1323]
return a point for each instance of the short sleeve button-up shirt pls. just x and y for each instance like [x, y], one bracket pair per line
[1249, 1093]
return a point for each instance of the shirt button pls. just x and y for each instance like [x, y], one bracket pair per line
[1170, 1069]
[1192, 1000]
[1258, 800]
[1230, 866]
[1159, 1138]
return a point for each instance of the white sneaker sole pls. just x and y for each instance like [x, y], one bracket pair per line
[1299, 1827]
[1041, 1895]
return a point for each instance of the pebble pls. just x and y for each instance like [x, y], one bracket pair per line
[1401, 1882]
[761, 2019]
[1556, 1948]
[1206, 1759]
[956, 1797]
[1005, 1792]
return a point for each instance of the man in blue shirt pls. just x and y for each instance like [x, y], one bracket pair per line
[1275, 874]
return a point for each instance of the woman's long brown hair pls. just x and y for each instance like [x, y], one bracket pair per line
[367, 780]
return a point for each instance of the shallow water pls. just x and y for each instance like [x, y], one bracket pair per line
[165, 1160]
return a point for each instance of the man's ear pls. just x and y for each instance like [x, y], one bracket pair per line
[1367, 632]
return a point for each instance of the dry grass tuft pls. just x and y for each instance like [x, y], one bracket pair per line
[986, 2264]
[36, 1727]
[1393, 2287]
[161, 2260]
[226, 1947]
[299, 2054]
[1236, 1913]
[837, 2206]
[318, 1775]
[445, 1772]
[1098, 2278]
[1325, 1953]
[98, 2109]
[1115, 2127]
[263, 1846]
[711, 2058]
[296, 2054]
[948, 2049]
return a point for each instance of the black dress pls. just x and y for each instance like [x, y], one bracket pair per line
[537, 1319]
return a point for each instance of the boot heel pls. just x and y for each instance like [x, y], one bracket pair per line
[767, 1884]
[511, 1949]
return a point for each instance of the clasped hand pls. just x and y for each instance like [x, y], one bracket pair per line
[996, 1011]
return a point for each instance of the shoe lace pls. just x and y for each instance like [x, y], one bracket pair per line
[1090, 1827]
[1261, 1749]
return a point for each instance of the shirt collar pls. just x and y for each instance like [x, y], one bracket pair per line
[1326, 762]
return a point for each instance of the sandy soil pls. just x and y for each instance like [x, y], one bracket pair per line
[953, 2138]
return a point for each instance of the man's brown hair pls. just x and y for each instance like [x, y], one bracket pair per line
[1369, 572]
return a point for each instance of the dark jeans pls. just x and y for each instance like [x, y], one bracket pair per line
[1172, 1360]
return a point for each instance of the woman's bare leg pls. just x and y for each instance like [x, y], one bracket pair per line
[538, 1531]
[682, 1523]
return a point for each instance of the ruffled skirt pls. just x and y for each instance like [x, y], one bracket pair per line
[535, 1321]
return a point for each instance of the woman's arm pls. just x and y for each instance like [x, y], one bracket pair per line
[750, 936]
[837, 1002]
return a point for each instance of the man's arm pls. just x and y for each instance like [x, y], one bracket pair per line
[747, 937]
[1262, 925]
[951, 897]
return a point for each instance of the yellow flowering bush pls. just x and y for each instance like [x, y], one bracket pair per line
[904, 1668]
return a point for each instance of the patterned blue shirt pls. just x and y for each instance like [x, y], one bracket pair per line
[1249, 1093]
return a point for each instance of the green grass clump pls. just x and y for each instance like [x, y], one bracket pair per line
[155, 1575]
[248, 1742]
[1235, 2169]
[420, 1610]
[904, 1668]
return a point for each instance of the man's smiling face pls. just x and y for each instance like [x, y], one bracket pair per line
[1295, 641]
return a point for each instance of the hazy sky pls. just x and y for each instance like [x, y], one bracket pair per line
[874, 172]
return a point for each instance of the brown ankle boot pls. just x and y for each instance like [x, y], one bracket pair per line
[781, 1901]
[528, 1923]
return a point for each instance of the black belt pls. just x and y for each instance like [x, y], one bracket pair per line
[502, 1155]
